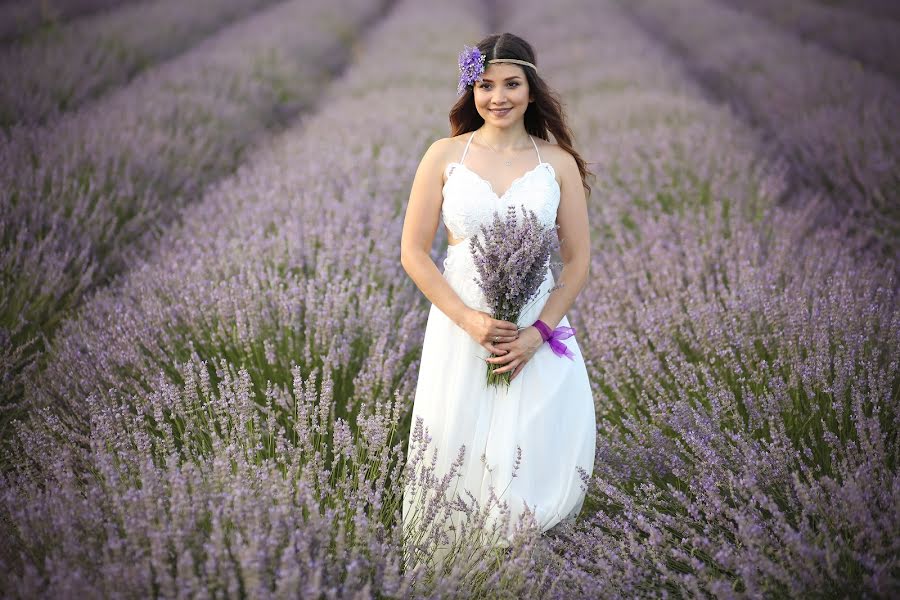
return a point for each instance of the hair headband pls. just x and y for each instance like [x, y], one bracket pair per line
[471, 66]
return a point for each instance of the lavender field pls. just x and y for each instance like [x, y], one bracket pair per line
[209, 348]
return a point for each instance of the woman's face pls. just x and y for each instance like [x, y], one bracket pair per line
[502, 86]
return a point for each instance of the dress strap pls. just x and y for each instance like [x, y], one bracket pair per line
[536, 149]
[467, 148]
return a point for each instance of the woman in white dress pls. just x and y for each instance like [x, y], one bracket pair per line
[529, 447]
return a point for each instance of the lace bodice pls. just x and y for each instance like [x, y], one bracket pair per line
[470, 200]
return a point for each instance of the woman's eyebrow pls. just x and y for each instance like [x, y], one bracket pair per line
[507, 79]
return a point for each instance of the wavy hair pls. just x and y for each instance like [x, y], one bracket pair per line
[544, 115]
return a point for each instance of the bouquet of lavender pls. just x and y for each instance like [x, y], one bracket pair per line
[511, 259]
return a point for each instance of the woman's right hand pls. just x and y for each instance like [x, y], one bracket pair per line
[487, 331]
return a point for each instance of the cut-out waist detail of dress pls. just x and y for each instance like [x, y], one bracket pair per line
[460, 273]
[455, 251]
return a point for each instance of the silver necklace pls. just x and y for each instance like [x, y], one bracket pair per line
[506, 161]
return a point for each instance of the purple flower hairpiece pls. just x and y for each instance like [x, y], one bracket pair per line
[471, 66]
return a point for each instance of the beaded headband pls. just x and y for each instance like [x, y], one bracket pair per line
[471, 66]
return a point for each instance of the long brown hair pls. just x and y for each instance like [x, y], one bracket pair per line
[544, 115]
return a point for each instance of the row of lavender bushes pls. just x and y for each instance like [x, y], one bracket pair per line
[873, 41]
[876, 8]
[745, 366]
[78, 196]
[836, 122]
[22, 17]
[47, 75]
[655, 142]
[248, 386]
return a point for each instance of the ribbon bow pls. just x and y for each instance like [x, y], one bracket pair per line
[555, 338]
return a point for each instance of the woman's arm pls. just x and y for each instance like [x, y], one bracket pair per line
[575, 243]
[419, 227]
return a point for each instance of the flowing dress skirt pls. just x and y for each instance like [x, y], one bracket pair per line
[547, 413]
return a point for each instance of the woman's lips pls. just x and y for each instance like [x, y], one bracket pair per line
[501, 113]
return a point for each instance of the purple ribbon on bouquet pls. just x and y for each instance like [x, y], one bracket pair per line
[554, 338]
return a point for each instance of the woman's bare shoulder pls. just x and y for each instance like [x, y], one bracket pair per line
[442, 148]
[550, 151]
[558, 157]
[448, 150]
[453, 145]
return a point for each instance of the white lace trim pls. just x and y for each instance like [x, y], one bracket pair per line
[470, 201]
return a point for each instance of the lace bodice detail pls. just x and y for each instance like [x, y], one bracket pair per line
[470, 201]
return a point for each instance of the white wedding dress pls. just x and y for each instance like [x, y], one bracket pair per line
[547, 411]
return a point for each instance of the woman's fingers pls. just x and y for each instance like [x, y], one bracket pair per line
[505, 332]
[507, 326]
[505, 359]
[508, 367]
[517, 371]
[493, 343]
[503, 354]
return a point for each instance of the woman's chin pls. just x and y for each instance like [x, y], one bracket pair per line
[504, 121]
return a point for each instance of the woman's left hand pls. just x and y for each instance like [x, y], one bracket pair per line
[519, 350]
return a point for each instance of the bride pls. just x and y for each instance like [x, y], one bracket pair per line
[509, 453]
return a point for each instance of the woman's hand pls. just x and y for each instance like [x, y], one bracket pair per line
[488, 331]
[516, 353]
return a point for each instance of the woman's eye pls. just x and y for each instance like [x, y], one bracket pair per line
[487, 85]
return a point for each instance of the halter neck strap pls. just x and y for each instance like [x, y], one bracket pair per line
[466, 151]
[536, 149]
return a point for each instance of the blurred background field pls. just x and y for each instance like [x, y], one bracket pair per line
[209, 349]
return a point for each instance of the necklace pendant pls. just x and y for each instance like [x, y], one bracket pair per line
[509, 163]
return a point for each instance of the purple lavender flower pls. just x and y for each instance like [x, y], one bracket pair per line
[471, 66]
[511, 259]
